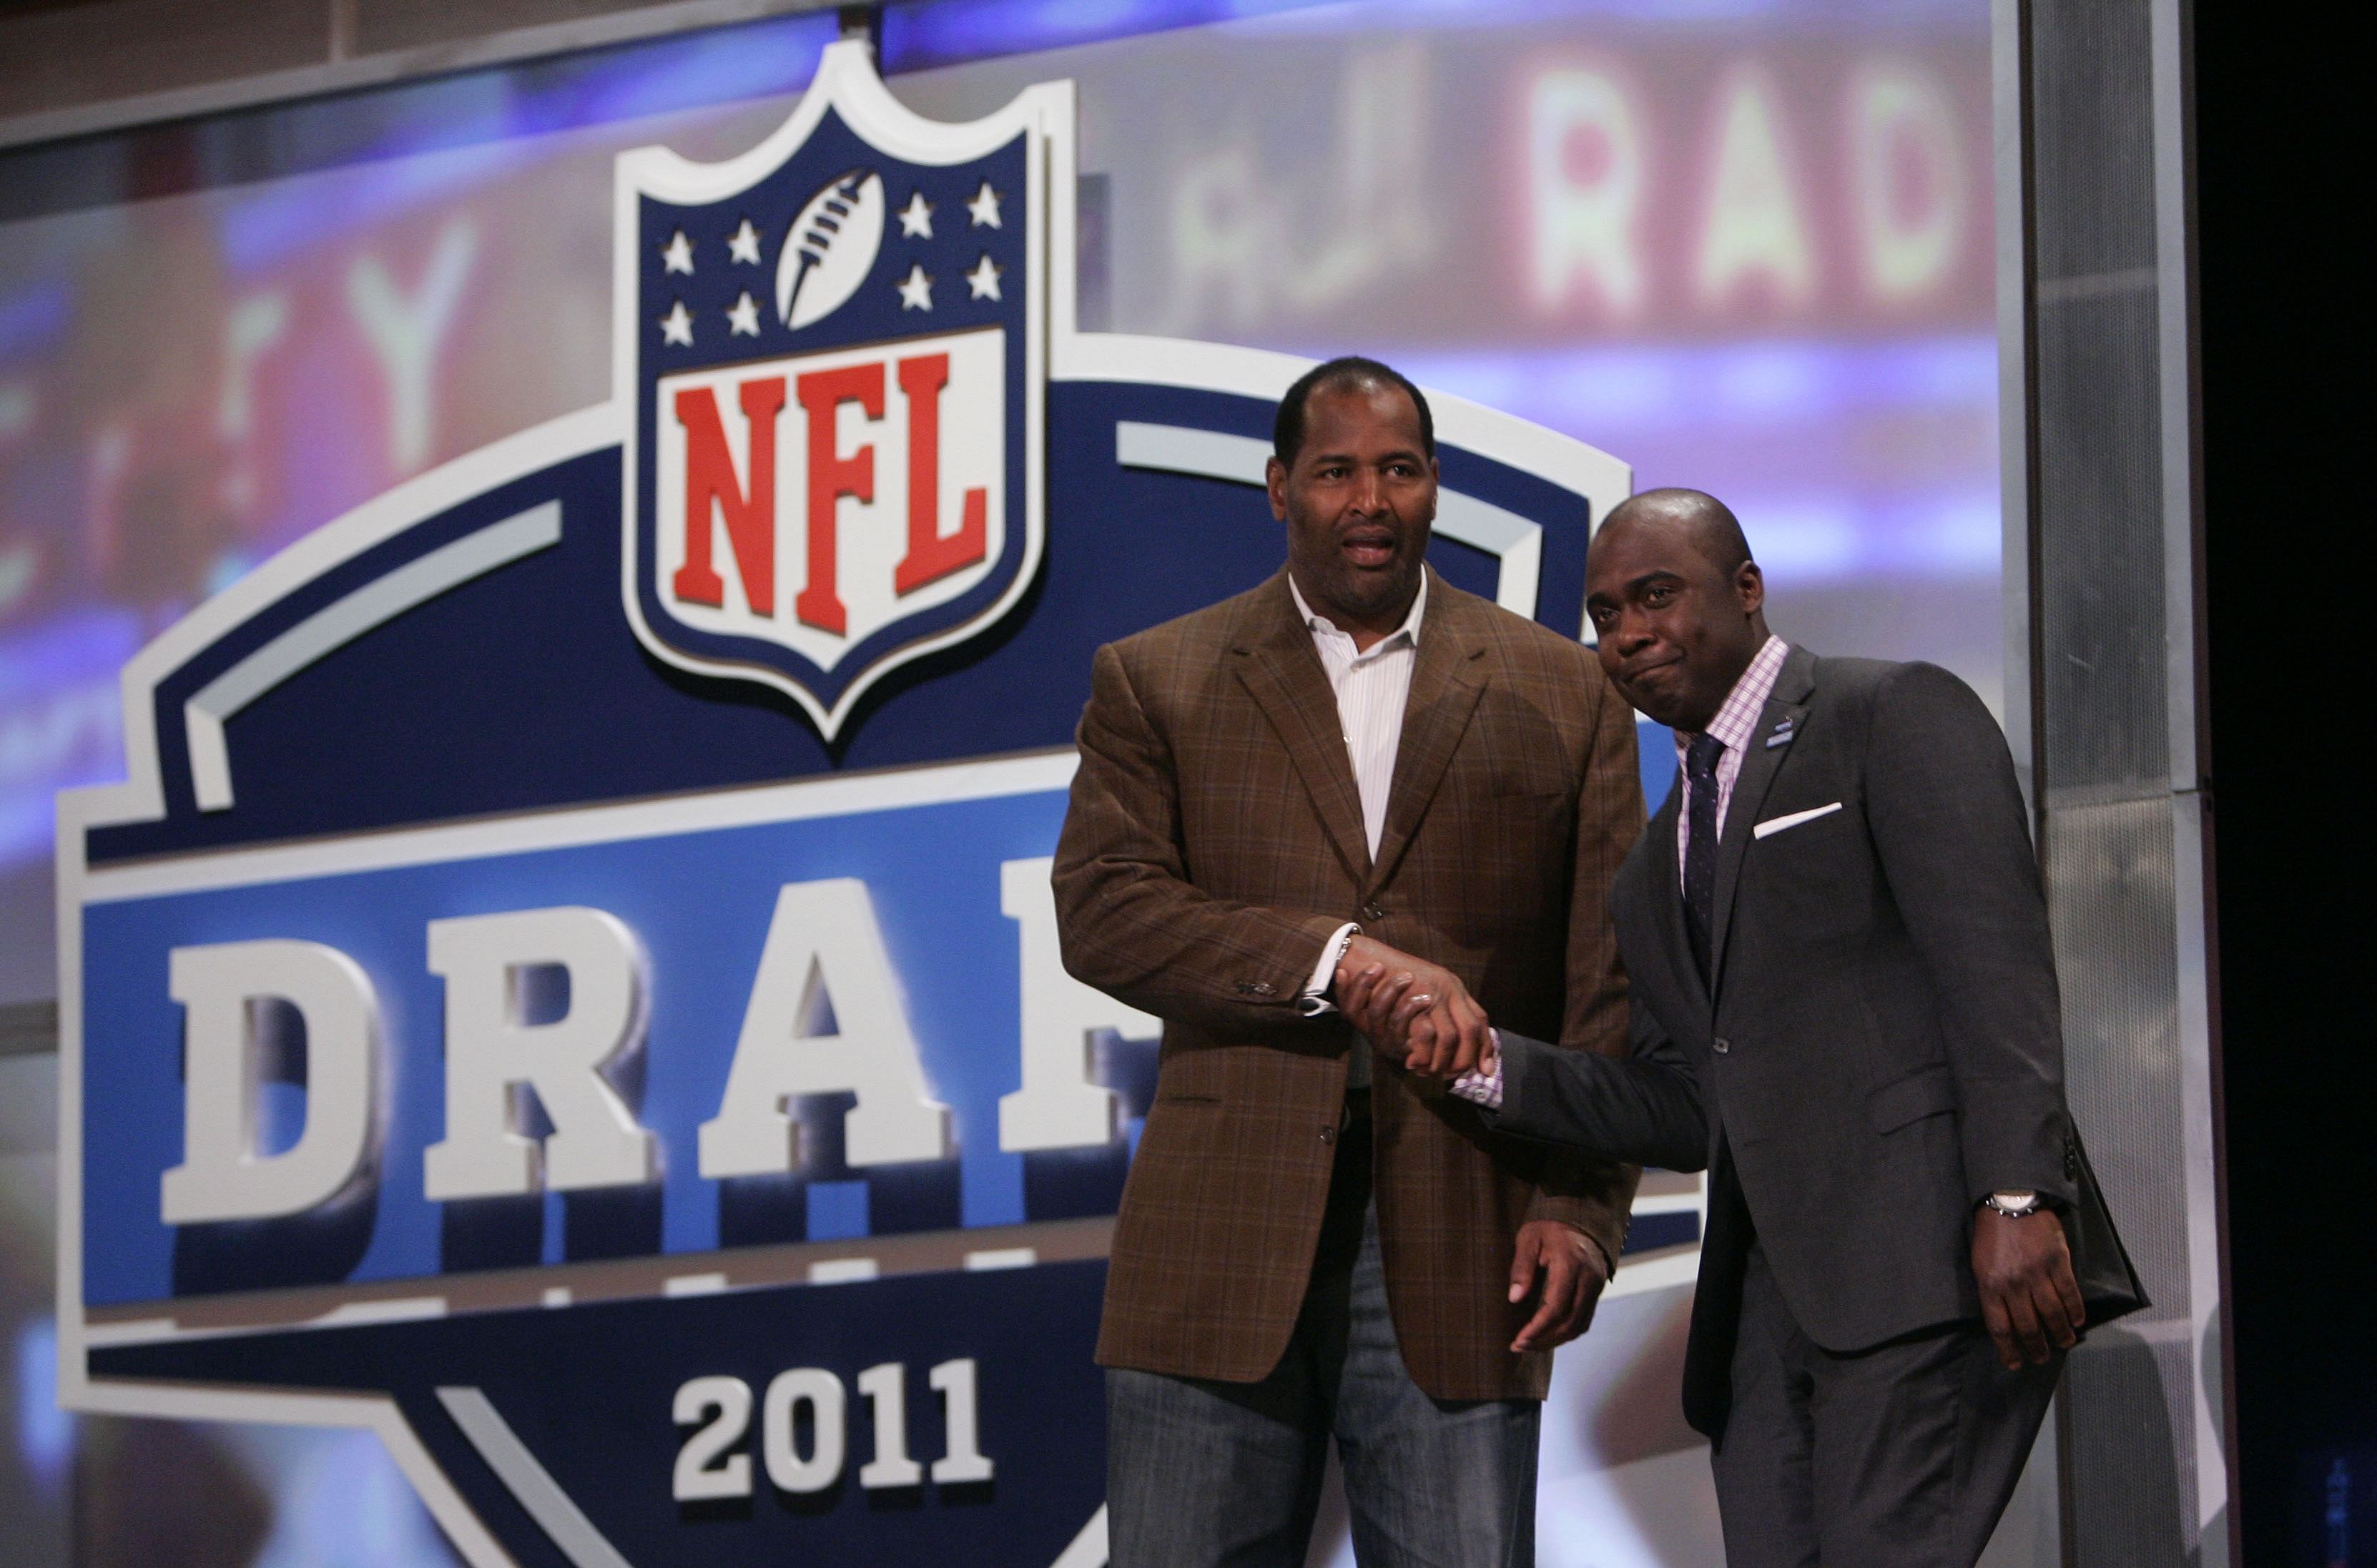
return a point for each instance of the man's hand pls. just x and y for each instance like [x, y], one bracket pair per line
[1567, 1265]
[1410, 1008]
[2029, 1298]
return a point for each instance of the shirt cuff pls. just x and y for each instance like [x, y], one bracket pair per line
[1483, 1084]
[1315, 1000]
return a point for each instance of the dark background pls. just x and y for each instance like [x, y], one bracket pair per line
[2280, 100]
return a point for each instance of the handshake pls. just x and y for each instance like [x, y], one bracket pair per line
[1410, 1008]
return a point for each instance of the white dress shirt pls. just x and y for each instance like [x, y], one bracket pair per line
[1373, 687]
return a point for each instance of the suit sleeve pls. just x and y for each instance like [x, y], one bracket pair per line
[1947, 825]
[1593, 1188]
[1644, 1107]
[1129, 919]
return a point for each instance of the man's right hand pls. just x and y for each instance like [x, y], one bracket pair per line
[1410, 1008]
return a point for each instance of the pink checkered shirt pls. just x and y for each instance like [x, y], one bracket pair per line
[1735, 721]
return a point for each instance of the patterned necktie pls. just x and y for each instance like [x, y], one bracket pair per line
[1699, 845]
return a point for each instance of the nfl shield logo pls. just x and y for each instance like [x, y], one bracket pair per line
[834, 349]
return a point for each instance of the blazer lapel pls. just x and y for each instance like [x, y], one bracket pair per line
[1786, 712]
[1667, 887]
[1447, 677]
[1278, 666]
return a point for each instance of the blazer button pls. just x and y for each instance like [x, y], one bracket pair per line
[1722, 1046]
[1371, 911]
[1328, 1134]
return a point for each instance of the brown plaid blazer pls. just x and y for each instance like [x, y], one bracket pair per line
[1214, 842]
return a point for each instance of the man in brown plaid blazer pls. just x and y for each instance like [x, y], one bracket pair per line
[1354, 765]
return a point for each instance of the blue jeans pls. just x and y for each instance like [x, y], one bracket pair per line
[1228, 1475]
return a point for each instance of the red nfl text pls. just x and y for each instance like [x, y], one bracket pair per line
[831, 468]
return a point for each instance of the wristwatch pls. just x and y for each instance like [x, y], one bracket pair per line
[2013, 1204]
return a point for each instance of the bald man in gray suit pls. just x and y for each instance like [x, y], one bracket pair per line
[1845, 1009]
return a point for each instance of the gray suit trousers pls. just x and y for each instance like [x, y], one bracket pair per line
[1900, 1456]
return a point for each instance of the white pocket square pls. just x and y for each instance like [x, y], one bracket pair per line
[1777, 824]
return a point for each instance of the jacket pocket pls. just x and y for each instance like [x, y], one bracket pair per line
[1523, 771]
[1925, 1093]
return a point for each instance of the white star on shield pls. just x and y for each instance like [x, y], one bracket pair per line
[985, 208]
[743, 244]
[677, 255]
[916, 218]
[984, 279]
[743, 317]
[916, 290]
[677, 327]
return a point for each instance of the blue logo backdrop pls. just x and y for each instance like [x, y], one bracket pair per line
[661, 1113]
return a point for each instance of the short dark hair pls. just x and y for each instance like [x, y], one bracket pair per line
[1339, 374]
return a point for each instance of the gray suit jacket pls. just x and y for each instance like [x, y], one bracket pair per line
[1881, 1044]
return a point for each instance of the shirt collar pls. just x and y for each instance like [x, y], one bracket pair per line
[1409, 629]
[1738, 715]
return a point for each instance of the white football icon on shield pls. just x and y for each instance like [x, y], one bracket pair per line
[829, 248]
